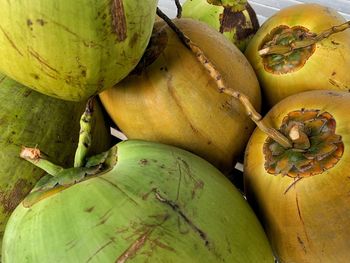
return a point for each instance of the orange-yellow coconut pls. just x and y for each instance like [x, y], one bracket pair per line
[172, 99]
[319, 66]
[301, 194]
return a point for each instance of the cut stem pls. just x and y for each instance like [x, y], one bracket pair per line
[282, 49]
[215, 74]
[84, 135]
[299, 138]
[33, 155]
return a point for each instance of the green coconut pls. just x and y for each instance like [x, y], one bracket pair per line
[138, 202]
[73, 49]
[32, 119]
[235, 19]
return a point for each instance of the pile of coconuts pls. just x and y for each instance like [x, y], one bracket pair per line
[192, 96]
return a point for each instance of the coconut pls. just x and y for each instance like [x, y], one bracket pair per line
[294, 51]
[172, 99]
[236, 20]
[138, 202]
[73, 49]
[30, 118]
[301, 193]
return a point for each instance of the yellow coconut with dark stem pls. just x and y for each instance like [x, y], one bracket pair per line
[301, 191]
[172, 99]
[296, 50]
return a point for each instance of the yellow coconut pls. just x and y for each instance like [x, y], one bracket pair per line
[318, 66]
[172, 99]
[301, 194]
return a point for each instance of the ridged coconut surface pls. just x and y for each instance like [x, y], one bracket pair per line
[35, 120]
[175, 101]
[155, 203]
[320, 66]
[73, 49]
[301, 194]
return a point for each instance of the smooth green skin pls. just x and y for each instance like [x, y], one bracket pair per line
[28, 118]
[208, 13]
[69, 49]
[102, 218]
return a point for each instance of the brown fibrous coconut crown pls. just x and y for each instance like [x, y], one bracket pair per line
[290, 61]
[316, 147]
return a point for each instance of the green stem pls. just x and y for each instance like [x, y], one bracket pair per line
[33, 155]
[108, 158]
[84, 135]
[282, 49]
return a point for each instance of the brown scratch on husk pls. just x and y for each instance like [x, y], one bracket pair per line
[302, 244]
[10, 40]
[89, 210]
[134, 247]
[85, 42]
[300, 216]
[71, 244]
[337, 83]
[145, 196]
[104, 218]
[99, 250]
[119, 19]
[292, 184]
[179, 182]
[162, 245]
[175, 207]
[183, 166]
[41, 60]
[116, 186]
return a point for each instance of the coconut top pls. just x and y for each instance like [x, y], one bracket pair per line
[316, 146]
[292, 60]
